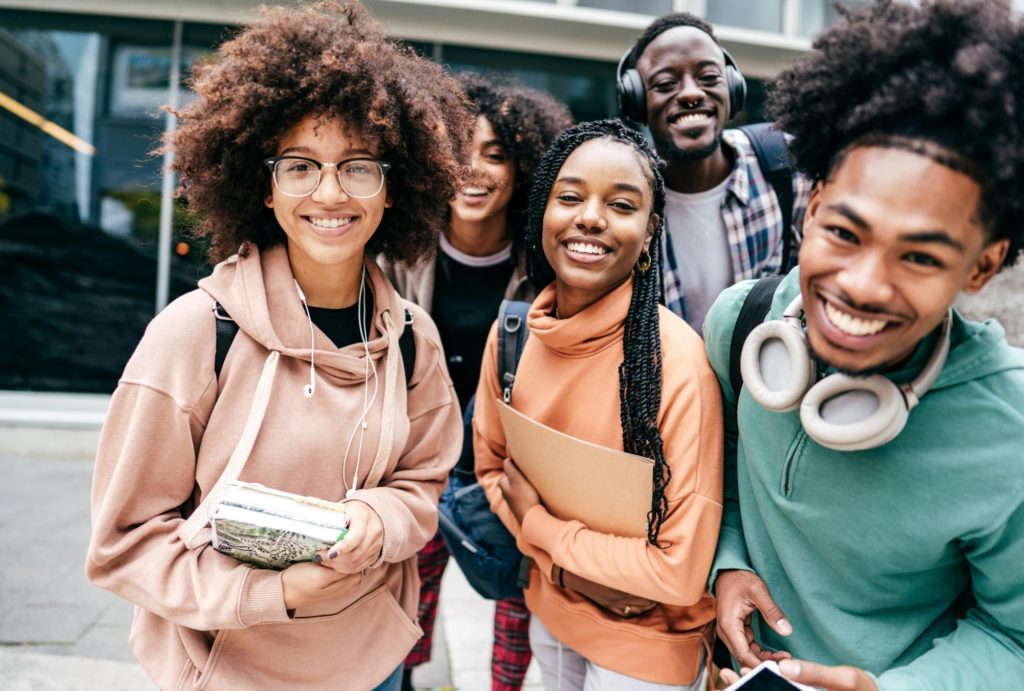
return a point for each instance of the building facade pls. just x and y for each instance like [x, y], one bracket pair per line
[92, 243]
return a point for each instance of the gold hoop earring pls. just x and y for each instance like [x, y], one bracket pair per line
[644, 262]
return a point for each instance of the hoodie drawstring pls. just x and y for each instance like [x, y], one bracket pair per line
[192, 528]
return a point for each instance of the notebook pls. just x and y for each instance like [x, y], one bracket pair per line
[607, 490]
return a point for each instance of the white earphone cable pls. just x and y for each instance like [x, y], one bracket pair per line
[309, 389]
[368, 400]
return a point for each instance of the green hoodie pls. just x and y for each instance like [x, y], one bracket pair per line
[906, 560]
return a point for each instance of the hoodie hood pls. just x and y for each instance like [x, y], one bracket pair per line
[258, 291]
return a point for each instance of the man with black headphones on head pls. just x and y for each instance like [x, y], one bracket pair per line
[873, 522]
[725, 221]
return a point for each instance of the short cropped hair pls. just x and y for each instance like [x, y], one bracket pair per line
[327, 59]
[663, 24]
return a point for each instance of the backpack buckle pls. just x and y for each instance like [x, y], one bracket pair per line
[506, 394]
[512, 323]
[220, 313]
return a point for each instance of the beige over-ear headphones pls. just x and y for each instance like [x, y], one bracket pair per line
[839, 412]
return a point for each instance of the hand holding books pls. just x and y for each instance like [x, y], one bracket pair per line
[275, 529]
[362, 544]
[307, 583]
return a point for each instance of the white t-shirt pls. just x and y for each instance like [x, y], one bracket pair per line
[700, 244]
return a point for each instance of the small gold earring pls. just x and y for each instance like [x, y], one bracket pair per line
[644, 262]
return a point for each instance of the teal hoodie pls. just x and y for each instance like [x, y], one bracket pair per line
[906, 560]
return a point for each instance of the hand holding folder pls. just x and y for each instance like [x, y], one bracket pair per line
[607, 490]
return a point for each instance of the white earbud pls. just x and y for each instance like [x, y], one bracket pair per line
[309, 389]
[839, 412]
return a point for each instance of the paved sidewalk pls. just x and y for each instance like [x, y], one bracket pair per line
[57, 631]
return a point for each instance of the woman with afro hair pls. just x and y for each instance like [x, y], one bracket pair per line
[874, 518]
[607, 364]
[315, 144]
[478, 262]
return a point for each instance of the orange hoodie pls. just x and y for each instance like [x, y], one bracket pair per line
[202, 619]
[568, 379]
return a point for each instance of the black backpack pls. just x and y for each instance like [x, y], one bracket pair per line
[753, 311]
[772, 153]
[482, 546]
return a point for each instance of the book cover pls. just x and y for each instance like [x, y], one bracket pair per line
[274, 529]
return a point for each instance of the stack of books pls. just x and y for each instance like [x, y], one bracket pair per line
[274, 529]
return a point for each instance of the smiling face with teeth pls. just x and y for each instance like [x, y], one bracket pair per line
[597, 221]
[890, 240]
[327, 230]
[483, 202]
[683, 71]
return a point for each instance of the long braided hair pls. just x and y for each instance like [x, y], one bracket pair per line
[640, 371]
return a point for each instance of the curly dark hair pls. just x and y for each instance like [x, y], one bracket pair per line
[526, 121]
[331, 60]
[640, 371]
[944, 79]
[663, 24]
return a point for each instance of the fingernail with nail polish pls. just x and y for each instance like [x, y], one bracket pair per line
[317, 559]
[332, 554]
[789, 668]
[784, 628]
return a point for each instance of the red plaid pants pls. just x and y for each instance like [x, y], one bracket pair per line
[510, 654]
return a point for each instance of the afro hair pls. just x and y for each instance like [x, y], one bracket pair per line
[944, 79]
[329, 60]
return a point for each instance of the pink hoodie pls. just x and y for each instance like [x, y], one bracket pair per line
[204, 620]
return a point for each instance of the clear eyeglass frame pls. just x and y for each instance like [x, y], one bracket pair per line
[272, 162]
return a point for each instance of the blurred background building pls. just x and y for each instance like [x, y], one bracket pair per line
[92, 243]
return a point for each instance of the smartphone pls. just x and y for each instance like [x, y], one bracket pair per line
[766, 677]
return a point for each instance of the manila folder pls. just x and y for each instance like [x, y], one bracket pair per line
[607, 490]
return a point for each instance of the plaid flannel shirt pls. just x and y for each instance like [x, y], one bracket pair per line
[753, 221]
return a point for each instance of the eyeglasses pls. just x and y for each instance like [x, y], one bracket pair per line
[297, 176]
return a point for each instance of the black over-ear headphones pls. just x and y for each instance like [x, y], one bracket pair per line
[633, 96]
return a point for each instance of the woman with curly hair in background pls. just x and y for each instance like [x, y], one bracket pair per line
[315, 143]
[478, 262]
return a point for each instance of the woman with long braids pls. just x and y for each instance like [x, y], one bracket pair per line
[605, 363]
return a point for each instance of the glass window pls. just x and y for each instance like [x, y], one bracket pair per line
[815, 15]
[80, 195]
[586, 86]
[765, 15]
[651, 7]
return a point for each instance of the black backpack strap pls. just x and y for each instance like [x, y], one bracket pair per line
[772, 153]
[512, 335]
[752, 313]
[407, 345]
[226, 330]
